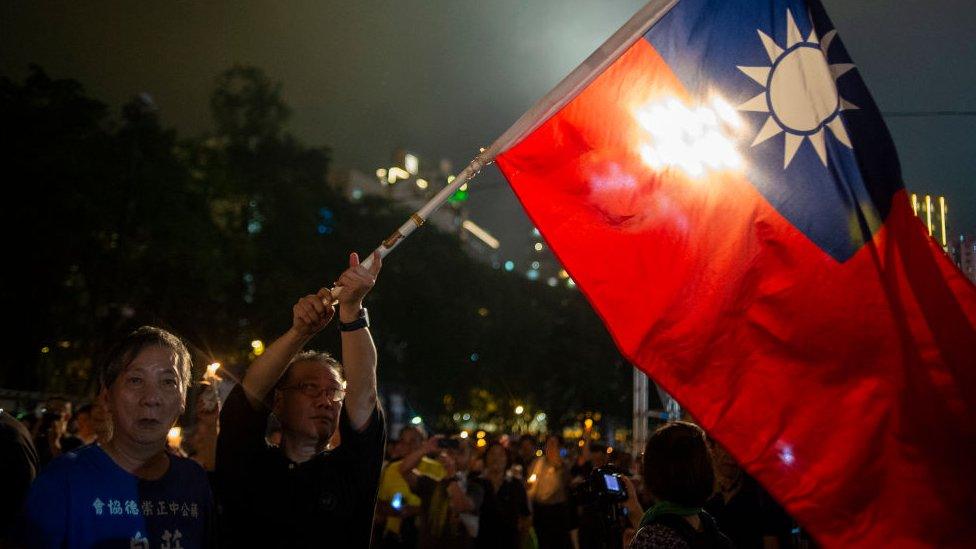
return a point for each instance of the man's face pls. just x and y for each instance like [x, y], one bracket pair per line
[305, 416]
[410, 441]
[461, 456]
[85, 427]
[60, 408]
[147, 397]
[495, 459]
[101, 419]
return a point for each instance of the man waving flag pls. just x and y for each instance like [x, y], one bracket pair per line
[724, 191]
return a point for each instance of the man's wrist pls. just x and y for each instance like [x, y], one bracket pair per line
[361, 321]
[297, 336]
[349, 312]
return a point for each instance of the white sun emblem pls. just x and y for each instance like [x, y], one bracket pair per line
[800, 92]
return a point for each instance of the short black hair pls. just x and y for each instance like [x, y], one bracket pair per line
[312, 356]
[415, 428]
[83, 409]
[129, 347]
[557, 436]
[497, 444]
[528, 437]
[678, 465]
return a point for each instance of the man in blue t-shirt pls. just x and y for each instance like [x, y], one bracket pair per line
[86, 499]
[129, 491]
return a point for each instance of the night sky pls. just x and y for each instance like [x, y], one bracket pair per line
[444, 77]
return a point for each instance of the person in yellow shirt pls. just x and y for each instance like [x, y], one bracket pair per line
[397, 504]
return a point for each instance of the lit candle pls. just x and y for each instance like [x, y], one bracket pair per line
[211, 374]
[175, 438]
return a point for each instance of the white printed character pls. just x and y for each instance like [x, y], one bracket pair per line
[138, 541]
[172, 540]
[185, 510]
[115, 507]
[193, 510]
[98, 505]
[147, 508]
[161, 508]
[131, 508]
[174, 507]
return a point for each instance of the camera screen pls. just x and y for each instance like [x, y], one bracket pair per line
[612, 483]
[397, 501]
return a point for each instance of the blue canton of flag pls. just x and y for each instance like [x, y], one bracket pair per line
[819, 151]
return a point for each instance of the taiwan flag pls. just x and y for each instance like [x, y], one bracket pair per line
[725, 193]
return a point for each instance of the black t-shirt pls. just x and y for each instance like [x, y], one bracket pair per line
[18, 467]
[266, 500]
[500, 513]
[749, 516]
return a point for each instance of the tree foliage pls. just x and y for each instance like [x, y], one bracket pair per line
[117, 223]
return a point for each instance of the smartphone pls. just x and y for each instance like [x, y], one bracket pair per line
[397, 502]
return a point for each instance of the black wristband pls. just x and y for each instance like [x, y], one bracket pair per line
[358, 324]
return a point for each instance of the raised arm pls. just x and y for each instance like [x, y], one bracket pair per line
[309, 316]
[358, 351]
[412, 460]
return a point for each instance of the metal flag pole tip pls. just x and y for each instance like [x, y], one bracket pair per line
[418, 218]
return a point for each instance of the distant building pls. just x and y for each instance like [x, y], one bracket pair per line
[967, 256]
[934, 212]
[412, 184]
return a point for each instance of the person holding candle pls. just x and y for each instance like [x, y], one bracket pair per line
[128, 490]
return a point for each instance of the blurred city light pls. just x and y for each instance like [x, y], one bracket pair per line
[482, 234]
[258, 347]
[411, 163]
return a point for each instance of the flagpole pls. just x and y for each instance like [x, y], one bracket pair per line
[550, 104]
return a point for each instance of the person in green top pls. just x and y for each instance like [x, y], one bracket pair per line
[679, 475]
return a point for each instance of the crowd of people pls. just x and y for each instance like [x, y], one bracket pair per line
[532, 492]
[297, 456]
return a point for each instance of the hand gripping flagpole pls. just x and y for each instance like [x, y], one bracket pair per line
[550, 104]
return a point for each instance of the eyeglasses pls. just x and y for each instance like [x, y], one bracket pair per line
[312, 390]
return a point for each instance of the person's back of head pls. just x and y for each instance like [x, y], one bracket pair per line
[677, 465]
